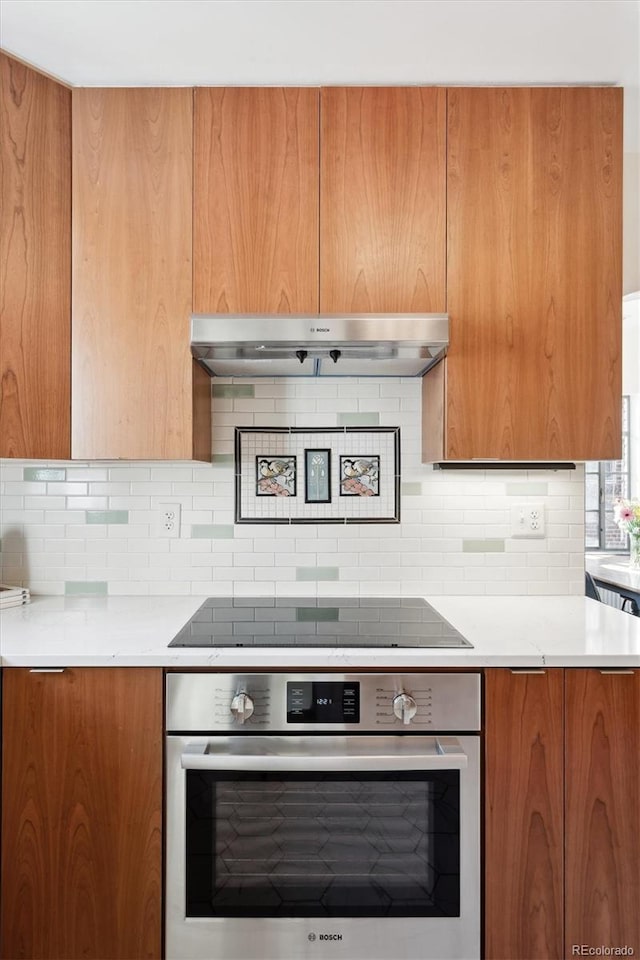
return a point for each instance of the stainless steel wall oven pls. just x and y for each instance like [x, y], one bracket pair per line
[332, 815]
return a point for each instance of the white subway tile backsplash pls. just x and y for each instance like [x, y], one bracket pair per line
[129, 473]
[11, 470]
[22, 488]
[90, 472]
[78, 503]
[109, 489]
[171, 474]
[63, 516]
[20, 515]
[71, 488]
[46, 539]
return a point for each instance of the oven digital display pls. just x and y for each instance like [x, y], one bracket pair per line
[323, 702]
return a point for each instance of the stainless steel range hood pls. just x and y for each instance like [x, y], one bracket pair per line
[360, 345]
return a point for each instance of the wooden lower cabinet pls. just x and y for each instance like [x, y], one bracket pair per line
[603, 809]
[523, 814]
[82, 814]
[562, 813]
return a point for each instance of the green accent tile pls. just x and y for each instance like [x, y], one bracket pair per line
[233, 390]
[44, 473]
[317, 573]
[87, 588]
[533, 489]
[483, 546]
[213, 531]
[358, 419]
[222, 458]
[317, 614]
[106, 516]
[411, 489]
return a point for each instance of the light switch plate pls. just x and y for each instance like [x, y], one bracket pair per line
[528, 520]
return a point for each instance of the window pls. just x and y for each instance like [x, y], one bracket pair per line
[605, 480]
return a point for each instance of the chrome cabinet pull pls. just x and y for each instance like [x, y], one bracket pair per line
[47, 670]
[619, 673]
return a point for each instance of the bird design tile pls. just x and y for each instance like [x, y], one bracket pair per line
[359, 476]
[275, 476]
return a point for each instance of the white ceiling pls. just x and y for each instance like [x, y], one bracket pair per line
[146, 42]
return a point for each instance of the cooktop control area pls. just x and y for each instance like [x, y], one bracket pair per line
[283, 702]
[318, 622]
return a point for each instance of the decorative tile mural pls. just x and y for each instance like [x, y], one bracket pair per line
[316, 475]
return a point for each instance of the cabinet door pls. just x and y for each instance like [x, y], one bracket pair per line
[255, 201]
[382, 200]
[133, 382]
[82, 814]
[35, 264]
[534, 278]
[603, 809]
[524, 815]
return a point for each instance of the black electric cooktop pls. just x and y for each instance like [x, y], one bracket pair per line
[318, 622]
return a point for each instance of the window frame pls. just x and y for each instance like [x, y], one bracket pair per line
[602, 471]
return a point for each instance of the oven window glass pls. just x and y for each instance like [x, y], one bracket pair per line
[323, 845]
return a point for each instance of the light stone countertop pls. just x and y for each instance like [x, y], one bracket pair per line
[614, 569]
[135, 631]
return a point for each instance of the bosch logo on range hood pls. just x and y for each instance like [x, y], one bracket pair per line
[360, 345]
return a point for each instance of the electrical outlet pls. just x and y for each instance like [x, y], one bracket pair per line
[168, 520]
[527, 520]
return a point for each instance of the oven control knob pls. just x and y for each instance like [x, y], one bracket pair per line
[241, 707]
[404, 707]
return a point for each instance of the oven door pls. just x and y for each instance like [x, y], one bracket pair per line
[283, 848]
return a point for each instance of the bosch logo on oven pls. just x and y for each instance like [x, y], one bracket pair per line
[324, 936]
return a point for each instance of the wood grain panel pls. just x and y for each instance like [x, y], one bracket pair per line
[132, 178]
[534, 273]
[524, 815]
[434, 392]
[382, 194]
[256, 200]
[603, 809]
[202, 438]
[82, 814]
[35, 264]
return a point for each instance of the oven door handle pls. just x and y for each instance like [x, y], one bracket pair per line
[394, 753]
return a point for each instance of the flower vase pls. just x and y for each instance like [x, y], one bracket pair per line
[634, 551]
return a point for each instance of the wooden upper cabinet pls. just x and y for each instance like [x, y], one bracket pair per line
[35, 264]
[603, 809]
[256, 200]
[524, 826]
[82, 814]
[136, 392]
[534, 279]
[382, 200]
